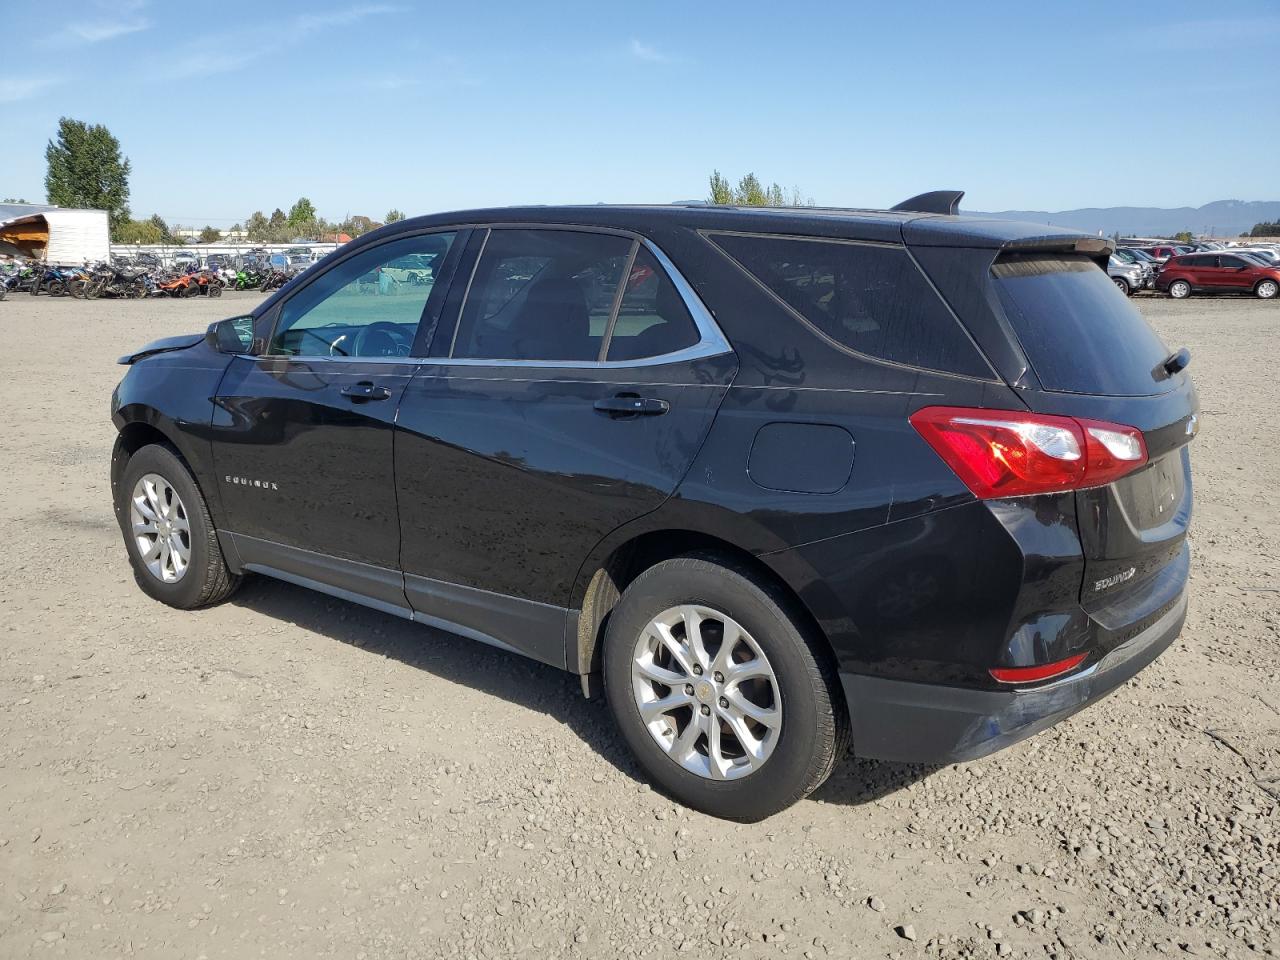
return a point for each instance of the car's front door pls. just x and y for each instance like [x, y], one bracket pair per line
[302, 434]
[570, 397]
[1234, 273]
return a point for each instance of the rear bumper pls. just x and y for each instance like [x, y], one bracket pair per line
[929, 723]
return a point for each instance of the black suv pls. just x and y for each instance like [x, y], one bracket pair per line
[774, 480]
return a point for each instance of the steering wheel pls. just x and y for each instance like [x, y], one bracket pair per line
[382, 338]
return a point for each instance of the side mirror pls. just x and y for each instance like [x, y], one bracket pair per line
[232, 336]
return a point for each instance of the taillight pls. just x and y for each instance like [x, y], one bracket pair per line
[1007, 453]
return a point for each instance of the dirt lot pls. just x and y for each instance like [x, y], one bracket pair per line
[293, 776]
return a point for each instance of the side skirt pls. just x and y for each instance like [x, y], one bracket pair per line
[526, 627]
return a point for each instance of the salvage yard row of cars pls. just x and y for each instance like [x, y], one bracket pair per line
[1204, 267]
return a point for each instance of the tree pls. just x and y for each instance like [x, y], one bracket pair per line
[140, 231]
[278, 219]
[257, 225]
[302, 214]
[749, 192]
[86, 169]
[166, 235]
[1183, 237]
[12, 200]
[210, 234]
[1264, 230]
[394, 215]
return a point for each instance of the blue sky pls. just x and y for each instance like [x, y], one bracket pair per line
[230, 107]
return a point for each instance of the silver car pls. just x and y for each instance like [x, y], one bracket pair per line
[1129, 276]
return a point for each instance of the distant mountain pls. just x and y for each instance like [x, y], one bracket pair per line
[1222, 218]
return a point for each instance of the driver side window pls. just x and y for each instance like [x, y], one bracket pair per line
[367, 306]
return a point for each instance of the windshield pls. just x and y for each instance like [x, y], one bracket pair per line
[1079, 332]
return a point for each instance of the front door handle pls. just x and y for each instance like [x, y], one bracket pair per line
[365, 391]
[632, 405]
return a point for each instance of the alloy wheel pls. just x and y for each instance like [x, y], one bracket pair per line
[706, 692]
[1179, 289]
[1267, 289]
[160, 527]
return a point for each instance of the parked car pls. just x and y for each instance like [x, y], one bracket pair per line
[1266, 254]
[1129, 276]
[1162, 252]
[763, 477]
[1149, 263]
[1218, 273]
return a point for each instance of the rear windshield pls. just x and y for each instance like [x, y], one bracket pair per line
[1080, 333]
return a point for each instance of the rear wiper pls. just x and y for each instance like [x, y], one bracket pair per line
[1176, 362]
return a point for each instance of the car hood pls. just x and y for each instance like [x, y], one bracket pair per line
[163, 345]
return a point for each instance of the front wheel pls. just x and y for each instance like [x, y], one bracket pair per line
[1179, 289]
[173, 547]
[1266, 289]
[1122, 285]
[724, 698]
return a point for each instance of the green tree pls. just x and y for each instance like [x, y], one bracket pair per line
[12, 200]
[721, 192]
[1183, 237]
[140, 231]
[210, 234]
[257, 225]
[166, 235]
[1264, 230]
[749, 192]
[394, 215]
[302, 213]
[86, 169]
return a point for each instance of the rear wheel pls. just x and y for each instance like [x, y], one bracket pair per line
[1122, 285]
[719, 691]
[1179, 289]
[57, 288]
[1266, 289]
[169, 534]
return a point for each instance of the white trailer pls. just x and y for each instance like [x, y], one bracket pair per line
[55, 235]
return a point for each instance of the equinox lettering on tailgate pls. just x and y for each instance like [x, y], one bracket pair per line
[1112, 580]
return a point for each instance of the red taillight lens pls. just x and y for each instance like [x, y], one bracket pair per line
[1007, 453]
[1043, 671]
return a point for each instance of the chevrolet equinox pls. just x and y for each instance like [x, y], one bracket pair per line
[776, 482]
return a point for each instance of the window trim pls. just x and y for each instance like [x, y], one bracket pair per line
[707, 234]
[461, 231]
[711, 340]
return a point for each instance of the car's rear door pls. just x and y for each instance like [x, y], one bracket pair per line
[570, 397]
[302, 434]
[1235, 273]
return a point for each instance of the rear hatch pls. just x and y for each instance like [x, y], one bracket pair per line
[1092, 355]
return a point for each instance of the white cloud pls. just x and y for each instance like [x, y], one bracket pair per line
[13, 89]
[100, 30]
[649, 54]
[240, 50]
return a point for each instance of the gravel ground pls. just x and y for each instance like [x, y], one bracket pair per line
[289, 775]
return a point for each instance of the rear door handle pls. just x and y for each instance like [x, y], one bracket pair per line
[365, 391]
[631, 405]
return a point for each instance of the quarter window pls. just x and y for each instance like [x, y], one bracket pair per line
[541, 295]
[652, 318]
[367, 306]
[871, 299]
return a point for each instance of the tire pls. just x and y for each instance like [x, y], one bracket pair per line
[35, 288]
[205, 579]
[215, 289]
[799, 689]
[1266, 289]
[57, 288]
[1179, 289]
[1123, 286]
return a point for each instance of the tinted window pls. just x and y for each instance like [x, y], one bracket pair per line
[541, 295]
[871, 299]
[367, 306]
[1231, 262]
[1080, 333]
[652, 318]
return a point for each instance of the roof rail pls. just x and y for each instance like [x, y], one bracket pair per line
[935, 201]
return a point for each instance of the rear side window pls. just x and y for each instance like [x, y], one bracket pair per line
[868, 298]
[541, 295]
[1080, 333]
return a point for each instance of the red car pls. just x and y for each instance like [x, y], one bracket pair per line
[1217, 273]
[1163, 252]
